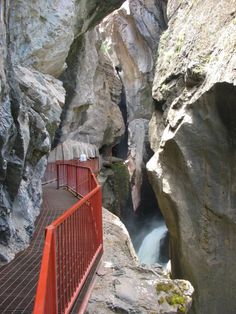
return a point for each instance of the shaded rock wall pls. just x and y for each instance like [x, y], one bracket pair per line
[35, 39]
[193, 135]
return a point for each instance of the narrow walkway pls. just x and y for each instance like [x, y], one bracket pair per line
[18, 279]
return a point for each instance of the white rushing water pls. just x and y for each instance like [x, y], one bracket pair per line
[149, 250]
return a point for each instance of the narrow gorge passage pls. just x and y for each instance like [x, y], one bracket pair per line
[149, 87]
[147, 228]
[146, 225]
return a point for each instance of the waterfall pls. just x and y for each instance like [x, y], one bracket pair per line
[149, 251]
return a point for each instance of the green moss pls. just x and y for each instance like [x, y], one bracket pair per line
[165, 287]
[172, 297]
[161, 300]
[177, 300]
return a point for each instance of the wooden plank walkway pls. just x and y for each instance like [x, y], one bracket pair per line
[18, 279]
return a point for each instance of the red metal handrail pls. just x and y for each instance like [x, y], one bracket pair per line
[50, 174]
[92, 163]
[74, 242]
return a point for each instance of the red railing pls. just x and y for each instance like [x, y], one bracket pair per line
[73, 244]
[92, 163]
[50, 174]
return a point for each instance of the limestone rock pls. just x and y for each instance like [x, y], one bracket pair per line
[130, 39]
[41, 34]
[193, 135]
[138, 142]
[93, 115]
[123, 286]
[115, 183]
[131, 36]
[44, 94]
[35, 40]
[40, 99]
[69, 150]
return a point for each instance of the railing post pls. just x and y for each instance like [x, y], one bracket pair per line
[76, 180]
[53, 275]
[67, 175]
[99, 204]
[58, 178]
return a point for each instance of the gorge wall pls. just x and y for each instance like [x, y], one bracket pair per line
[131, 36]
[62, 78]
[192, 132]
[35, 41]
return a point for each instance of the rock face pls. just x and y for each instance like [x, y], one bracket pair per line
[35, 40]
[115, 181]
[92, 114]
[138, 155]
[193, 135]
[30, 112]
[131, 36]
[124, 286]
[41, 35]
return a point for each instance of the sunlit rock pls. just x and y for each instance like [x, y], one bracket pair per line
[193, 135]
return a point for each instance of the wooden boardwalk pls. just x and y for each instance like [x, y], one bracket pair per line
[18, 279]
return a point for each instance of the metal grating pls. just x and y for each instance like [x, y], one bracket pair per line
[18, 279]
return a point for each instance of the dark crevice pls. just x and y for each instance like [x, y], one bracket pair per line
[159, 105]
[121, 149]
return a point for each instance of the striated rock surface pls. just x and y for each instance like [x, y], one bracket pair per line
[131, 36]
[92, 114]
[193, 135]
[124, 286]
[69, 150]
[35, 40]
[138, 155]
[130, 39]
[41, 35]
[30, 110]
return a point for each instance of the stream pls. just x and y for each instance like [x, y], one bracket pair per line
[149, 251]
